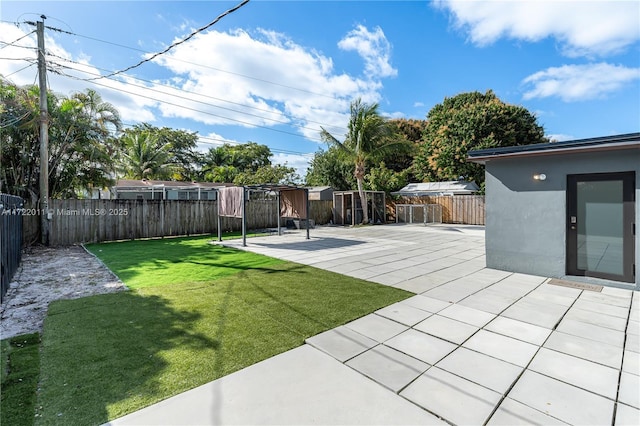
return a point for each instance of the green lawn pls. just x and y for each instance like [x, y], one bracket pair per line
[19, 368]
[146, 263]
[196, 312]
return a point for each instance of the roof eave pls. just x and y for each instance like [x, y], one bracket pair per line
[482, 159]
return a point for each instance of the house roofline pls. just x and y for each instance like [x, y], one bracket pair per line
[607, 143]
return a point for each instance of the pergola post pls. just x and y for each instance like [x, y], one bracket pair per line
[244, 216]
[219, 217]
[279, 218]
[306, 196]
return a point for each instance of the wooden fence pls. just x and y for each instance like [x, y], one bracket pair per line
[10, 239]
[84, 221]
[458, 209]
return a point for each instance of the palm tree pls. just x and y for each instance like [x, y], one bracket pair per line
[369, 136]
[103, 123]
[103, 114]
[144, 157]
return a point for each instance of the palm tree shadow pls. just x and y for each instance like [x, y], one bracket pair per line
[117, 340]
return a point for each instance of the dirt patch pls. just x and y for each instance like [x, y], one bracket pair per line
[47, 274]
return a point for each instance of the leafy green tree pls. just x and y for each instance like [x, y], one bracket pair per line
[381, 178]
[467, 122]
[369, 136]
[19, 147]
[183, 160]
[145, 156]
[228, 162]
[248, 157]
[328, 168]
[104, 115]
[275, 174]
[81, 130]
[211, 163]
[81, 156]
[392, 173]
[401, 159]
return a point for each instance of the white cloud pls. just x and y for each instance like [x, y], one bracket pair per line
[66, 76]
[217, 66]
[559, 137]
[373, 47]
[579, 82]
[393, 115]
[236, 78]
[211, 140]
[297, 161]
[583, 28]
[17, 55]
[418, 104]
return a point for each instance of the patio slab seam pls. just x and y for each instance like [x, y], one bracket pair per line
[504, 395]
[551, 306]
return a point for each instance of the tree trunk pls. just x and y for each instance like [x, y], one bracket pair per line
[363, 202]
[359, 175]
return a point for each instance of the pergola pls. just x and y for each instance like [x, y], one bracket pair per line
[293, 202]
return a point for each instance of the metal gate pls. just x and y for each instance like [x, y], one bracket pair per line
[10, 238]
[418, 213]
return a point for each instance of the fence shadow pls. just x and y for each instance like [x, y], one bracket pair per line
[182, 259]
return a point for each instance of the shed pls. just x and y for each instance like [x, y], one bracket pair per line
[565, 209]
[322, 193]
[453, 187]
[131, 189]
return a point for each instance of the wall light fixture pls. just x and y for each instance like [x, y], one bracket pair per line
[540, 176]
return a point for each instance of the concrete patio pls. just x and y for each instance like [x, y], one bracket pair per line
[473, 346]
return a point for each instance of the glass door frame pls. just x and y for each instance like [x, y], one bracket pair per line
[628, 213]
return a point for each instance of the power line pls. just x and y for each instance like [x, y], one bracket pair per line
[15, 41]
[277, 150]
[16, 59]
[216, 141]
[292, 117]
[182, 90]
[107, 42]
[20, 47]
[172, 45]
[21, 69]
[91, 80]
[177, 105]
[14, 121]
[188, 108]
[201, 65]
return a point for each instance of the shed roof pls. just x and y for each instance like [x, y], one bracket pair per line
[143, 184]
[274, 187]
[605, 143]
[430, 188]
[319, 188]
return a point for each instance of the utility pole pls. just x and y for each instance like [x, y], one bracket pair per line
[44, 135]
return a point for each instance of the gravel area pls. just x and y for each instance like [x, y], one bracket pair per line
[47, 274]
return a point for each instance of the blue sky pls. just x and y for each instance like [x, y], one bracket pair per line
[273, 72]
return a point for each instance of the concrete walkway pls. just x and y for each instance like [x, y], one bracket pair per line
[474, 346]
